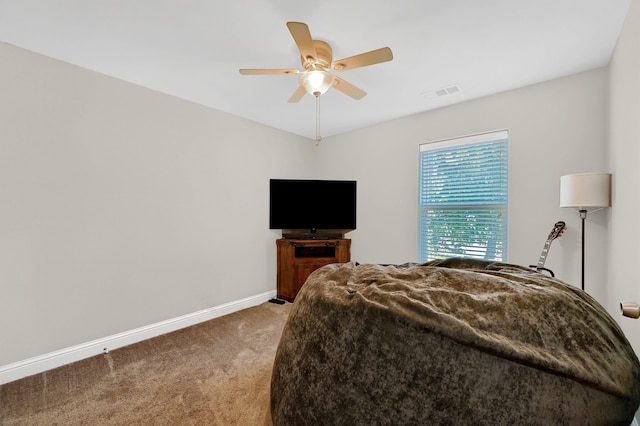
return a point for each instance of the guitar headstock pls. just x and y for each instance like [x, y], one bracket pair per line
[557, 230]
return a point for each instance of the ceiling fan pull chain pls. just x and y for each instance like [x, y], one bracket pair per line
[318, 137]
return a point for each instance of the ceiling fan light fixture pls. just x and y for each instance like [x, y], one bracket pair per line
[316, 82]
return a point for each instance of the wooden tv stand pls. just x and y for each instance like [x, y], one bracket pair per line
[298, 258]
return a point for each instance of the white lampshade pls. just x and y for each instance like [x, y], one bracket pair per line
[316, 82]
[585, 191]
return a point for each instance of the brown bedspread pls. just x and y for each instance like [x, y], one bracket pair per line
[450, 342]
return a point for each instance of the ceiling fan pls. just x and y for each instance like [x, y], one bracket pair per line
[317, 59]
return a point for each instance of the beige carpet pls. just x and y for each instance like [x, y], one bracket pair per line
[214, 373]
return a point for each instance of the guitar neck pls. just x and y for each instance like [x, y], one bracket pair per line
[556, 232]
[543, 255]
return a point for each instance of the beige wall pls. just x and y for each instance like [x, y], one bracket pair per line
[555, 128]
[624, 153]
[122, 207]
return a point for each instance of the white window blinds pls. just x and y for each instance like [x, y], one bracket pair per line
[463, 198]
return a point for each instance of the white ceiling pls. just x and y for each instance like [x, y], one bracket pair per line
[193, 49]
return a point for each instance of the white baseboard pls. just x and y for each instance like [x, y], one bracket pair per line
[39, 364]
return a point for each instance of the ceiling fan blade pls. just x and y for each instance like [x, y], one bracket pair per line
[298, 94]
[250, 71]
[362, 60]
[301, 35]
[348, 88]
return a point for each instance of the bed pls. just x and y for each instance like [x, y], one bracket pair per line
[455, 341]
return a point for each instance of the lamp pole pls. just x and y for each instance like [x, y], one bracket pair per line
[583, 216]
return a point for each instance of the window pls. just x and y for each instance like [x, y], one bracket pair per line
[463, 198]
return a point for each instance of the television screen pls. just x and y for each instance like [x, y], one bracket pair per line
[312, 204]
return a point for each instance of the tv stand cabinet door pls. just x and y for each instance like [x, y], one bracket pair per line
[301, 272]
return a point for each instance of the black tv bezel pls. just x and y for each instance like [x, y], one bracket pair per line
[313, 229]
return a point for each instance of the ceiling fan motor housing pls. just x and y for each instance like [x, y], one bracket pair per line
[324, 57]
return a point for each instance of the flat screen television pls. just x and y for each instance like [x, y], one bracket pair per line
[312, 206]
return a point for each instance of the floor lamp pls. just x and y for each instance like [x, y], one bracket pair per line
[585, 192]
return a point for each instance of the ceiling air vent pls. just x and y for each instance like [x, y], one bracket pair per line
[449, 90]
